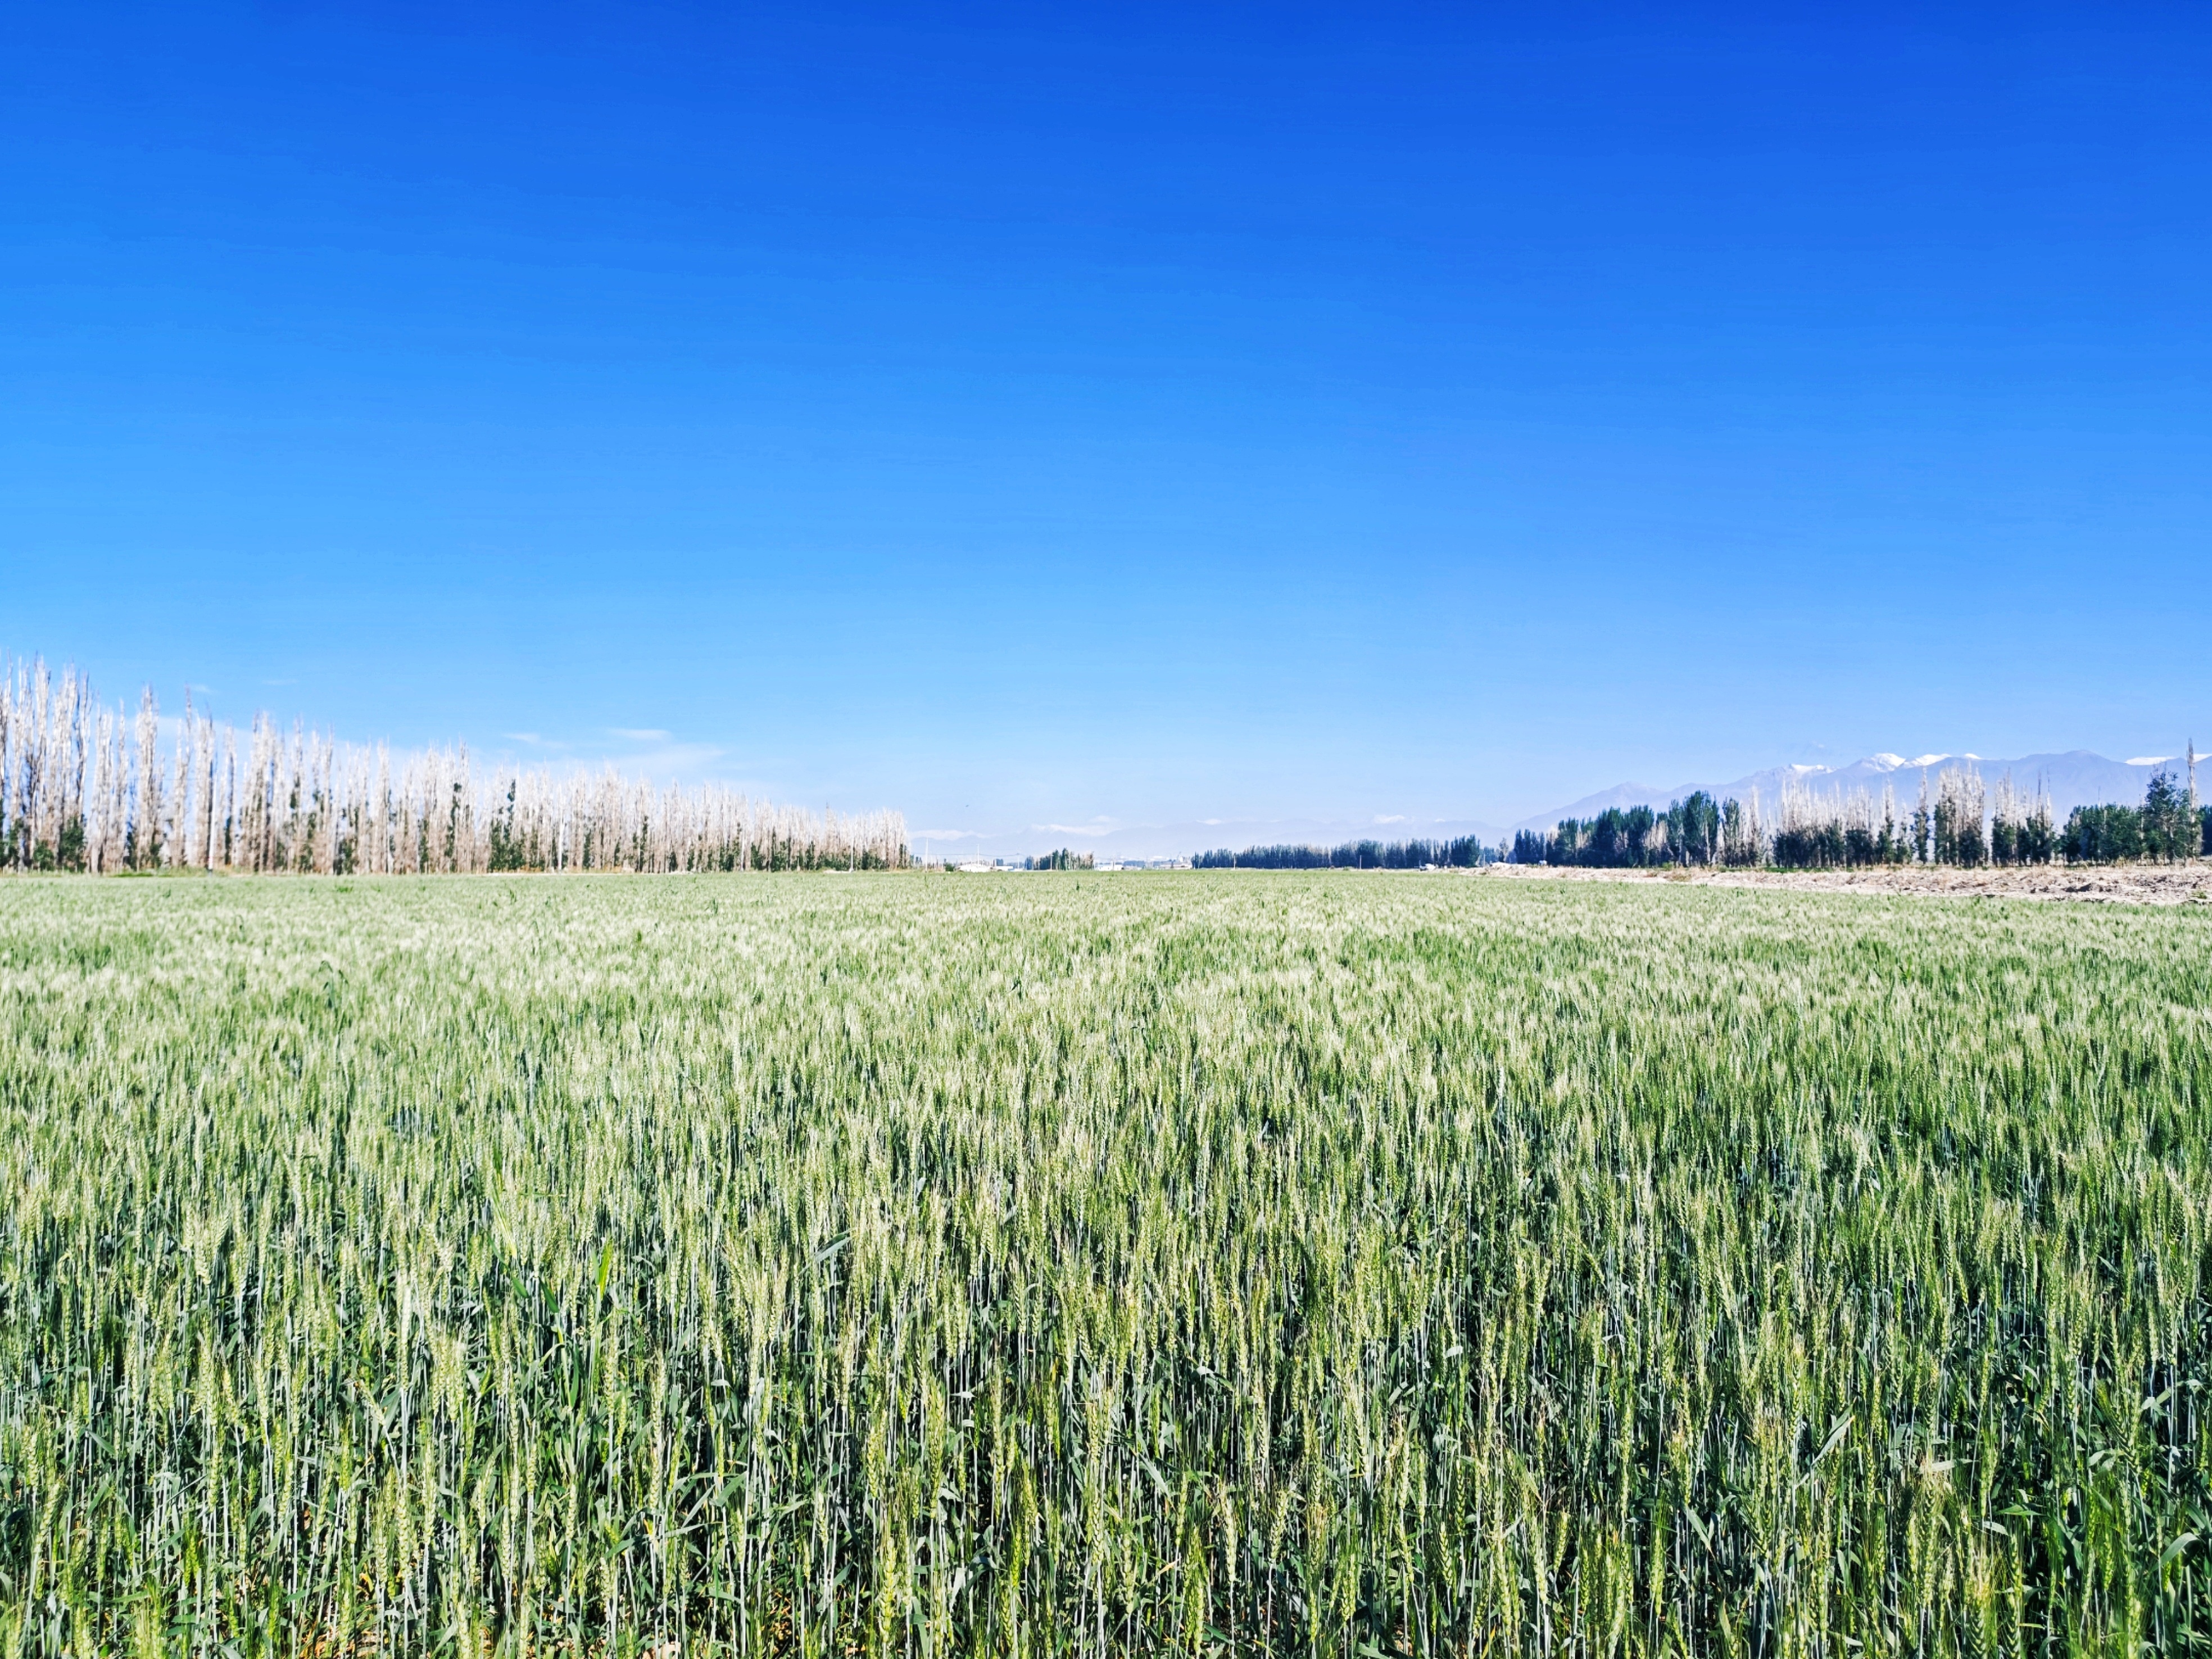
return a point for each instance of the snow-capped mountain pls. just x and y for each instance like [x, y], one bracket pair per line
[2076, 778]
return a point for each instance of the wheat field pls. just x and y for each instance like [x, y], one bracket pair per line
[904, 1264]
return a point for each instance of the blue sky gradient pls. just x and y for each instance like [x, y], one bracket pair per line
[1121, 417]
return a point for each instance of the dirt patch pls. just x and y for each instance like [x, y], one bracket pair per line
[2126, 884]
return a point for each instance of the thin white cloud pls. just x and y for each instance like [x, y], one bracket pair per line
[646, 757]
[672, 757]
[2147, 760]
[1390, 818]
[639, 733]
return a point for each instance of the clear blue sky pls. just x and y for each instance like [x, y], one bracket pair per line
[1131, 415]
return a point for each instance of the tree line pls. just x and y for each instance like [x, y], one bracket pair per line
[1462, 852]
[1956, 821]
[85, 786]
[2168, 826]
[1061, 859]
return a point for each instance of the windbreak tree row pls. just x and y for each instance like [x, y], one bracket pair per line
[87, 787]
[1462, 852]
[2168, 826]
[1061, 859]
[1956, 821]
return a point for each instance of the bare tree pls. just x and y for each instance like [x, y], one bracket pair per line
[83, 788]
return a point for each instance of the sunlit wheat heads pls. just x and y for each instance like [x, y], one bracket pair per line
[1347, 1263]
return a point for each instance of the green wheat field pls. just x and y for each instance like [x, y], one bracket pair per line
[924, 1265]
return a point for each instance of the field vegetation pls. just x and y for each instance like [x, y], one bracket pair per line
[908, 1266]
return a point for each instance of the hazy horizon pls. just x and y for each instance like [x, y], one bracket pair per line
[655, 757]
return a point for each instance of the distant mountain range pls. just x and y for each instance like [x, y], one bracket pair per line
[2076, 778]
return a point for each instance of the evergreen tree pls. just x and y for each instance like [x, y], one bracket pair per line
[2102, 834]
[1693, 829]
[2169, 831]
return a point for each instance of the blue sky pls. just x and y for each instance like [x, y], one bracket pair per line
[1125, 416]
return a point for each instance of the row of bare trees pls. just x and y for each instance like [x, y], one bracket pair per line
[1959, 821]
[85, 785]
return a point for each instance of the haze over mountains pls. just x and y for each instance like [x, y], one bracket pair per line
[2076, 778]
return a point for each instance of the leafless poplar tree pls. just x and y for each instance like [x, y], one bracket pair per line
[86, 787]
